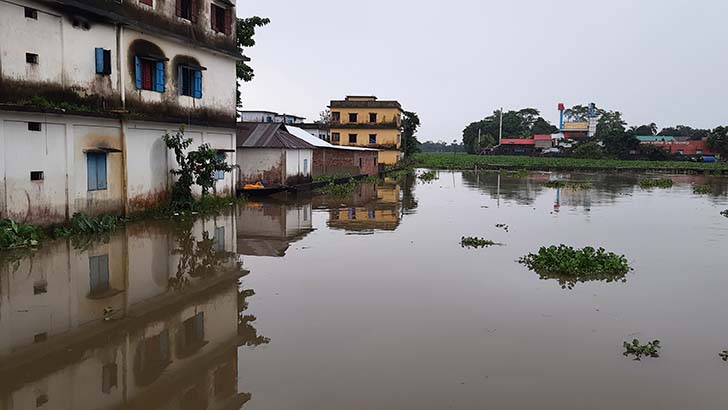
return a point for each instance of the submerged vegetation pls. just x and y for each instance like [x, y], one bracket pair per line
[574, 186]
[702, 189]
[16, 235]
[724, 355]
[638, 350]
[341, 190]
[475, 242]
[656, 183]
[570, 266]
[83, 224]
[427, 176]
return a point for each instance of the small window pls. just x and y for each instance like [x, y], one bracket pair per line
[353, 117]
[40, 287]
[335, 137]
[375, 161]
[220, 19]
[149, 74]
[220, 239]
[31, 13]
[352, 138]
[103, 61]
[190, 80]
[305, 166]
[41, 400]
[31, 58]
[335, 215]
[336, 116]
[269, 119]
[699, 152]
[96, 168]
[109, 377]
[372, 138]
[36, 175]
[99, 274]
[185, 9]
[352, 213]
[371, 214]
[373, 117]
[40, 337]
[679, 152]
[34, 126]
[220, 175]
[361, 163]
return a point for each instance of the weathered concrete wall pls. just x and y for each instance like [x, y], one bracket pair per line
[261, 164]
[60, 151]
[298, 166]
[342, 162]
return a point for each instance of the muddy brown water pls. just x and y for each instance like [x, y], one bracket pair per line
[369, 301]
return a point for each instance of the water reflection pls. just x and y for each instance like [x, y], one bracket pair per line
[269, 228]
[150, 318]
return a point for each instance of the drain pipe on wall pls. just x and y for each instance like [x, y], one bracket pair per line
[122, 120]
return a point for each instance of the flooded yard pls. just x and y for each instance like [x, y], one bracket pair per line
[370, 302]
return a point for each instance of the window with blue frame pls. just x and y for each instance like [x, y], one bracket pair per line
[96, 168]
[149, 74]
[99, 274]
[220, 175]
[103, 61]
[190, 81]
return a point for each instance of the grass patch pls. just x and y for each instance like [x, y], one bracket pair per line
[638, 350]
[427, 176]
[475, 242]
[656, 183]
[702, 189]
[569, 265]
[330, 178]
[16, 235]
[445, 161]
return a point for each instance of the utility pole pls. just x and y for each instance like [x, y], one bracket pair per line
[478, 140]
[500, 133]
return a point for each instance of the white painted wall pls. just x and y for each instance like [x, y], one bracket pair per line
[255, 162]
[299, 162]
[58, 151]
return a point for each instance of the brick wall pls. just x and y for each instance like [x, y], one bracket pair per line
[327, 161]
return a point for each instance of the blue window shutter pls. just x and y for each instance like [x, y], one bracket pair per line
[91, 171]
[159, 78]
[99, 60]
[197, 84]
[219, 175]
[138, 68]
[101, 171]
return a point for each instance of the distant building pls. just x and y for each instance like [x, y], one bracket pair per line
[268, 153]
[515, 146]
[269, 116]
[331, 159]
[584, 127]
[542, 142]
[365, 121]
[678, 146]
[317, 129]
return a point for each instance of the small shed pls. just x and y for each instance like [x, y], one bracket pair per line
[542, 142]
[268, 153]
[331, 159]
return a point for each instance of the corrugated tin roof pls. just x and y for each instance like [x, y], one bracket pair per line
[517, 141]
[653, 138]
[268, 135]
[319, 143]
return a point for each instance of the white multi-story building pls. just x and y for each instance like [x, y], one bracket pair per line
[87, 89]
[269, 116]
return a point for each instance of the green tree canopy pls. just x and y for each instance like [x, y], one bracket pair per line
[410, 124]
[245, 31]
[718, 140]
[685, 131]
[523, 123]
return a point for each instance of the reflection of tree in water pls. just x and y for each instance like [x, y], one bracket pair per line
[570, 281]
[407, 182]
[521, 190]
[198, 258]
[248, 333]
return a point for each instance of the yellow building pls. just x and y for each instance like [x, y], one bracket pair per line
[365, 121]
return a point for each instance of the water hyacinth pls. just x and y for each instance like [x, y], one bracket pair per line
[656, 183]
[638, 350]
[475, 242]
[569, 265]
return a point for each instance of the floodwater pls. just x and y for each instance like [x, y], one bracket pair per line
[370, 302]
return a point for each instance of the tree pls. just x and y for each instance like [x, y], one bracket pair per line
[685, 131]
[324, 117]
[580, 113]
[410, 124]
[588, 150]
[718, 140]
[523, 123]
[644, 130]
[195, 167]
[245, 31]
[612, 132]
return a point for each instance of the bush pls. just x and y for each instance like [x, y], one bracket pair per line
[83, 224]
[15, 235]
[588, 150]
[428, 176]
[656, 183]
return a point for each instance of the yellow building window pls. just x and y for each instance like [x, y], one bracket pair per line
[353, 117]
[352, 138]
[373, 117]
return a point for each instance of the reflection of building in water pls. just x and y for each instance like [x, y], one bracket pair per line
[269, 228]
[151, 319]
[372, 207]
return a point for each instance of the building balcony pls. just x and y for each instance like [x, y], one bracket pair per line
[365, 125]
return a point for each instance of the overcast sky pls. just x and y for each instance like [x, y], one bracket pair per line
[454, 62]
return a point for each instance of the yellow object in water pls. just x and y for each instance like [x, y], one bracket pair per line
[257, 185]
